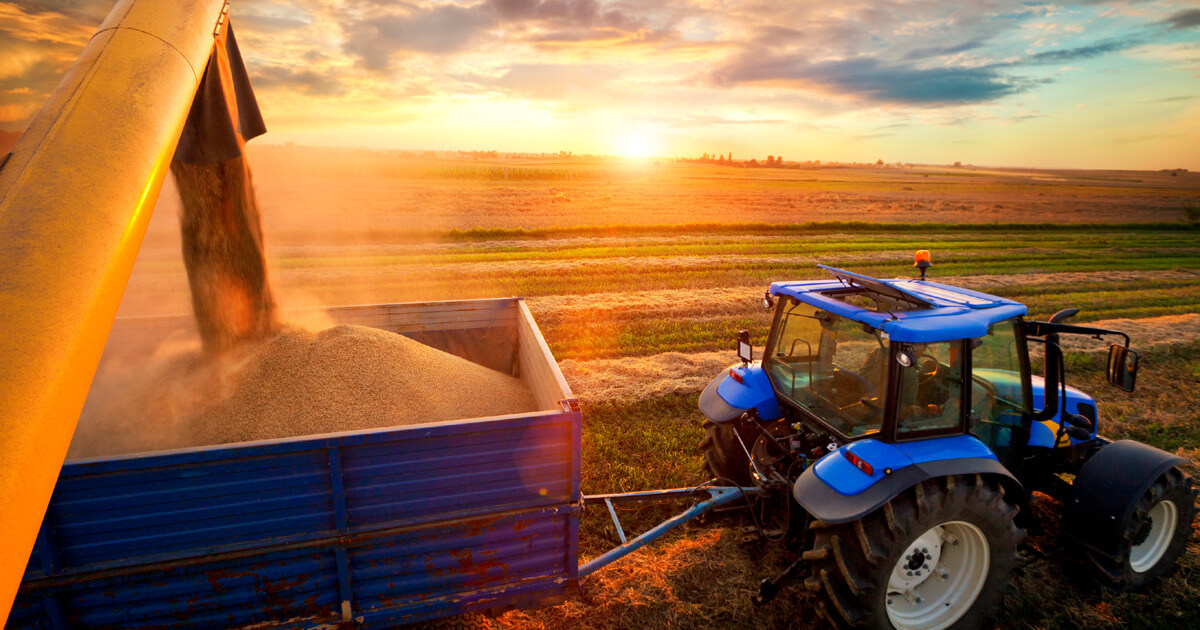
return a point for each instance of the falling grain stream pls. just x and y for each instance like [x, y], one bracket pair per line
[223, 253]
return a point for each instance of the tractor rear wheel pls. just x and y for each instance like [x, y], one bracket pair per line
[724, 457]
[1156, 534]
[938, 555]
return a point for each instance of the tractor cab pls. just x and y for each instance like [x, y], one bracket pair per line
[900, 360]
[890, 359]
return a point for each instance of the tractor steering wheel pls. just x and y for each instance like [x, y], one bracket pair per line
[984, 410]
[927, 368]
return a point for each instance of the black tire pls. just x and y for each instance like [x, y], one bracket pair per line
[724, 457]
[853, 562]
[1173, 486]
[776, 513]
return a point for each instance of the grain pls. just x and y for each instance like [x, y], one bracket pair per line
[296, 382]
[221, 234]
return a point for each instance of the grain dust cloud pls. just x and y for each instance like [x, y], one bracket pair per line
[250, 376]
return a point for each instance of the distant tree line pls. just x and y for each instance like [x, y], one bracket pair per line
[774, 161]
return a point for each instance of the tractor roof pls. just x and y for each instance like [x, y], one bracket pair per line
[927, 311]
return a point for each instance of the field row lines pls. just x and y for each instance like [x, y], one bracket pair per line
[646, 377]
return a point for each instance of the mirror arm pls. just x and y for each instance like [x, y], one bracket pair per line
[1046, 329]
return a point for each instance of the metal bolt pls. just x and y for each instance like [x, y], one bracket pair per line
[909, 573]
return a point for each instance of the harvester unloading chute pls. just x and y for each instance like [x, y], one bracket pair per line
[76, 195]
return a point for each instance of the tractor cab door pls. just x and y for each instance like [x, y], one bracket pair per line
[1001, 395]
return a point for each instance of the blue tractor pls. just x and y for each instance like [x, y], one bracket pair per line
[896, 432]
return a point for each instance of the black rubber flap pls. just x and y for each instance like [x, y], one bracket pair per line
[1108, 487]
[224, 113]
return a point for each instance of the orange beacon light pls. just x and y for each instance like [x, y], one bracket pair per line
[923, 261]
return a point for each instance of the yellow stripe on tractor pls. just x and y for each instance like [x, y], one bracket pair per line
[75, 197]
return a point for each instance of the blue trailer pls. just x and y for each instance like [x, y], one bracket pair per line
[378, 527]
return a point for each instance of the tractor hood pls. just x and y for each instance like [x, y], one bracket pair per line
[737, 390]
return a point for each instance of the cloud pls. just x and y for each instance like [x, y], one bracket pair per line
[299, 79]
[870, 79]
[268, 24]
[1080, 52]
[937, 51]
[37, 45]
[1189, 18]
[376, 34]
[441, 29]
[545, 81]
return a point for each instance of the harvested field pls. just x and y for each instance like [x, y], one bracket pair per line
[294, 383]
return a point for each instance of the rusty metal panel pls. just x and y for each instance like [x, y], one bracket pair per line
[383, 527]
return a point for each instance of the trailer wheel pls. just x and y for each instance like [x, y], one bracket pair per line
[1156, 534]
[724, 457]
[939, 555]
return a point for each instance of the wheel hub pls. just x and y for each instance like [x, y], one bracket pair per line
[1153, 537]
[918, 561]
[938, 577]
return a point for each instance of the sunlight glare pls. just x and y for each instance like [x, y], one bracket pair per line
[637, 143]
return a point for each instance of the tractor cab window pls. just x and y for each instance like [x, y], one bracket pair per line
[834, 368]
[931, 390]
[998, 396]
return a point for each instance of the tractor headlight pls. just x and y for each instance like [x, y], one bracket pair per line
[905, 357]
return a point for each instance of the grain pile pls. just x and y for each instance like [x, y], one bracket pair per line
[293, 383]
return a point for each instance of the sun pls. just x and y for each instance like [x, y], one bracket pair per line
[637, 143]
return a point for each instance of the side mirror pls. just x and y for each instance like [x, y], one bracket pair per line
[1063, 315]
[1122, 367]
[745, 350]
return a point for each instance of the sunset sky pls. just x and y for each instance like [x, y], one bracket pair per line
[1090, 84]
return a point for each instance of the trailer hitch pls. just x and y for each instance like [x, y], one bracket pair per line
[769, 587]
[713, 497]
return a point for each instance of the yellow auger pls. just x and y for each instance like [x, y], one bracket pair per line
[75, 197]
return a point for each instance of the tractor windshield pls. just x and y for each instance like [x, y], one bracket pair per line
[833, 367]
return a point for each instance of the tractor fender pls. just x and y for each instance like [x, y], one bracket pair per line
[833, 505]
[1107, 489]
[727, 398]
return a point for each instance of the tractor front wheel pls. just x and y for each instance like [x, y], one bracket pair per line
[724, 456]
[938, 555]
